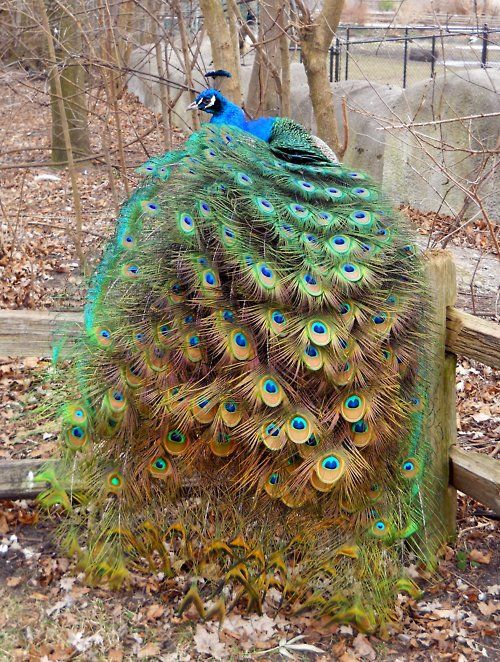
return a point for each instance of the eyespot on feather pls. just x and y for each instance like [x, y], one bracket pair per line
[114, 482]
[240, 345]
[309, 448]
[230, 412]
[115, 401]
[210, 281]
[415, 404]
[222, 445]
[286, 231]
[128, 241]
[298, 211]
[150, 207]
[175, 442]
[157, 358]
[161, 467]
[75, 413]
[186, 224]
[319, 332]
[228, 237]
[132, 376]
[361, 218]
[330, 468]
[310, 285]
[340, 244]
[310, 241]
[299, 428]
[273, 436]
[192, 347]
[381, 529]
[312, 358]
[273, 485]
[76, 436]
[264, 206]
[381, 322]
[350, 272]
[277, 322]
[364, 193]
[410, 468]
[140, 339]
[335, 193]
[103, 337]
[265, 275]
[204, 410]
[353, 408]
[361, 433]
[270, 391]
[163, 332]
[323, 219]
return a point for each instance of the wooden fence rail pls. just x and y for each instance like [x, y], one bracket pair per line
[32, 333]
[27, 333]
[472, 473]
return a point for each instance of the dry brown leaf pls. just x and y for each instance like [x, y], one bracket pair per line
[14, 581]
[154, 612]
[488, 608]
[209, 643]
[4, 525]
[115, 655]
[480, 557]
[149, 650]
[348, 657]
[363, 648]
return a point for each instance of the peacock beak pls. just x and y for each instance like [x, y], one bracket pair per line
[193, 105]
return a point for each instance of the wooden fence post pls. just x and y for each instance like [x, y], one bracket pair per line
[440, 425]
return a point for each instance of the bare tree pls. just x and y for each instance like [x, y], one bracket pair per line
[223, 52]
[316, 34]
[68, 52]
[263, 96]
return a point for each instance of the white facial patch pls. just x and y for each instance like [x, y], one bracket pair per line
[211, 102]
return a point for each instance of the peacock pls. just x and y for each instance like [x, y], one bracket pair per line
[246, 405]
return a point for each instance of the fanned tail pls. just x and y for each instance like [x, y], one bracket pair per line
[249, 396]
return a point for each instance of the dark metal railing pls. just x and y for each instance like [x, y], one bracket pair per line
[345, 46]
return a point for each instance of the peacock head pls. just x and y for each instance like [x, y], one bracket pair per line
[210, 100]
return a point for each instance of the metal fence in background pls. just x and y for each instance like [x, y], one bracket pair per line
[403, 56]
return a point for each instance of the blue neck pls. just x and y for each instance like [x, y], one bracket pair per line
[234, 116]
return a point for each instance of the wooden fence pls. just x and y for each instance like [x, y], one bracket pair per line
[29, 333]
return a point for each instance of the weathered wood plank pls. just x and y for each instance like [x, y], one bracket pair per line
[476, 475]
[17, 479]
[473, 337]
[473, 474]
[439, 425]
[33, 332]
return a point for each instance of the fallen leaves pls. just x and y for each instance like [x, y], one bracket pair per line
[149, 650]
[480, 557]
[363, 648]
[207, 641]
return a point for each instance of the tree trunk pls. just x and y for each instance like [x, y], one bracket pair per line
[285, 100]
[264, 91]
[316, 36]
[223, 53]
[68, 48]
